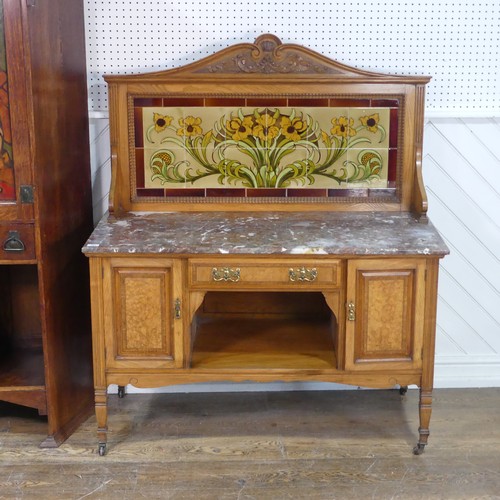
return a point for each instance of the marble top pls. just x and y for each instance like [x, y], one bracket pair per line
[270, 233]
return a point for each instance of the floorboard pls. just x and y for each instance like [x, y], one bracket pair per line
[275, 445]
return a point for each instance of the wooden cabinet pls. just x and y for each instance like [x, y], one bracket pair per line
[267, 222]
[385, 313]
[142, 301]
[45, 212]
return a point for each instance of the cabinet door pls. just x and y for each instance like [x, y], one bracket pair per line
[385, 314]
[141, 300]
[15, 119]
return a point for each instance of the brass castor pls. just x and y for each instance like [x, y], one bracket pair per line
[102, 449]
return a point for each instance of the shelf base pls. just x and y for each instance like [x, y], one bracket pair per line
[263, 343]
[22, 379]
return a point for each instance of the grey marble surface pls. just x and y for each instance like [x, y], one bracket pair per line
[272, 233]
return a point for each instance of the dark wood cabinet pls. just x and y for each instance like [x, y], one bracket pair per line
[45, 212]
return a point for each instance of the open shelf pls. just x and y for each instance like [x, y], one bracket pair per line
[263, 340]
[22, 367]
[22, 371]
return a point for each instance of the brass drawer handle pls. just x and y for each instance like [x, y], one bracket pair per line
[226, 274]
[14, 243]
[303, 274]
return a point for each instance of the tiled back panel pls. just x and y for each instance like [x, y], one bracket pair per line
[265, 147]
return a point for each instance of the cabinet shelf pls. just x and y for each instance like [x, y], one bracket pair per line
[264, 343]
[22, 379]
[22, 367]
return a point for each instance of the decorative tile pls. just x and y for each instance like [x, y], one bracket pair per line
[367, 168]
[165, 163]
[371, 127]
[263, 147]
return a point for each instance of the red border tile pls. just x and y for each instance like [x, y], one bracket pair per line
[179, 102]
[309, 103]
[385, 103]
[139, 167]
[225, 192]
[225, 101]
[146, 192]
[266, 192]
[306, 193]
[265, 102]
[145, 102]
[392, 171]
[393, 128]
[349, 103]
[183, 192]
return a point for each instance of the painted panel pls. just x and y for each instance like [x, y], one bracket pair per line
[7, 185]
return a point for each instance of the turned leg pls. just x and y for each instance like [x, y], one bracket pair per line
[425, 410]
[101, 412]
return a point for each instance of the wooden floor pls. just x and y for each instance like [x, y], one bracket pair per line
[303, 445]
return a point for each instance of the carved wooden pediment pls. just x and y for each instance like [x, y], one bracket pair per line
[267, 57]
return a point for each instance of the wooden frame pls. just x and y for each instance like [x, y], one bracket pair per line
[267, 69]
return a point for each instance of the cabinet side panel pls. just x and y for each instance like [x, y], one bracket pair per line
[63, 203]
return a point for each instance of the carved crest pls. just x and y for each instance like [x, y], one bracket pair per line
[268, 55]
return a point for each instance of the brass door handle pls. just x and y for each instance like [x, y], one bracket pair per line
[14, 243]
[302, 274]
[351, 313]
[177, 309]
[226, 274]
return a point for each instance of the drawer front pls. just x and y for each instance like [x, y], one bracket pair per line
[17, 242]
[245, 273]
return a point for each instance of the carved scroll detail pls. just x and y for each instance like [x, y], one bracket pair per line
[268, 55]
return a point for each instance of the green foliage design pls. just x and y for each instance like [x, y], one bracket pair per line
[265, 140]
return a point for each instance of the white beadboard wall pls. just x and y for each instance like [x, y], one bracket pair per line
[462, 129]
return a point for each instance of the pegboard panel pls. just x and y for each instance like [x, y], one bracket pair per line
[457, 42]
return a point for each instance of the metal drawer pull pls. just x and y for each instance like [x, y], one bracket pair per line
[226, 274]
[14, 243]
[302, 274]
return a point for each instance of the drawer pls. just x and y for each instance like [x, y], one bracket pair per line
[17, 242]
[246, 273]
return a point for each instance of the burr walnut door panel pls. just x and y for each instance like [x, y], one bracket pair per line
[385, 313]
[142, 301]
